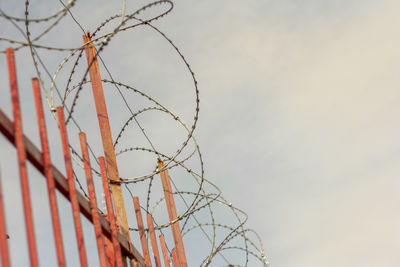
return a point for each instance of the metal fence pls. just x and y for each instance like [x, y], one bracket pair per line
[113, 247]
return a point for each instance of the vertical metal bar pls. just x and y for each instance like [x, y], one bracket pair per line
[110, 212]
[170, 202]
[34, 156]
[19, 143]
[92, 200]
[109, 251]
[175, 258]
[141, 231]
[153, 240]
[5, 257]
[106, 136]
[164, 251]
[71, 186]
[49, 174]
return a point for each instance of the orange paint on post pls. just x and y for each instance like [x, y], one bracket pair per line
[93, 201]
[164, 251]
[141, 232]
[19, 143]
[110, 213]
[71, 187]
[106, 137]
[170, 202]
[175, 258]
[153, 240]
[51, 187]
[5, 257]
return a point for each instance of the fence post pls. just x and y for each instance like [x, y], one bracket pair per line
[19, 143]
[92, 200]
[141, 232]
[48, 173]
[72, 189]
[164, 251]
[110, 212]
[106, 136]
[5, 257]
[170, 202]
[153, 240]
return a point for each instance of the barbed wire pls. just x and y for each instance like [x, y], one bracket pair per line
[205, 201]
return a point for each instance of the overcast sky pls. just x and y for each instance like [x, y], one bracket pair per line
[298, 114]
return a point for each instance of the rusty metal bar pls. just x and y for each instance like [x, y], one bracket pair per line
[19, 143]
[5, 257]
[141, 232]
[106, 136]
[34, 156]
[92, 200]
[164, 251]
[153, 240]
[175, 258]
[72, 190]
[48, 173]
[110, 212]
[109, 248]
[170, 202]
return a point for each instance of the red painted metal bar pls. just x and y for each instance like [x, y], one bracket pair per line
[141, 232]
[106, 136]
[170, 202]
[34, 155]
[72, 190]
[51, 187]
[164, 251]
[109, 247]
[19, 143]
[92, 200]
[5, 257]
[110, 212]
[153, 240]
[175, 258]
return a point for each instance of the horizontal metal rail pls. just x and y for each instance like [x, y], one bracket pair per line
[34, 156]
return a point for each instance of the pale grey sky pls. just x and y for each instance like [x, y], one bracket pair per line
[298, 115]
